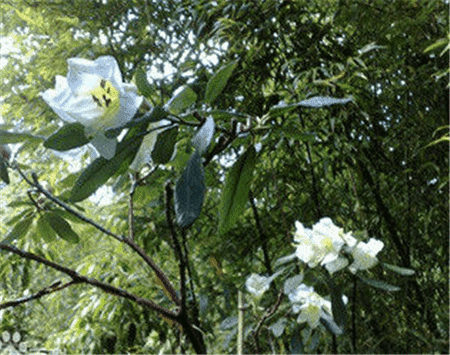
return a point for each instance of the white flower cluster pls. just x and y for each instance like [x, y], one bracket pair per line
[323, 245]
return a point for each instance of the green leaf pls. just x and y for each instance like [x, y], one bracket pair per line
[4, 172]
[399, 270]
[189, 191]
[218, 81]
[322, 101]
[13, 137]
[229, 322]
[68, 137]
[164, 146]
[20, 229]
[142, 83]
[379, 284]
[236, 189]
[101, 169]
[182, 99]
[338, 307]
[203, 137]
[61, 227]
[278, 327]
[313, 102]
[44, 230]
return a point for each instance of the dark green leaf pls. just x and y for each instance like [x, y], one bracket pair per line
[399, 270]
[218, 81]
[330, 324]
[164, 146]
[20, 229]
[236, 189]
[380, 284]
[13, 137]
[142, 83]
[4, 172]
[101, 169]
[183, 98]
[44, 230]
[189, 191]
[203, 137]
[68, 137]
[61, 227]
[338, 307]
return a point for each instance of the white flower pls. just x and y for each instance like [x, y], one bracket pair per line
[310, 304]
[364, 254]
[94, 95]
[321, 245]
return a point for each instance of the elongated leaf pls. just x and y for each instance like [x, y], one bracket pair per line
[380, 284]
[20, 229]
[189, 191]
[322, 101]
[68, 137]
[229, 322]
[4, 172]
[330, 324]
[101, 169]
[183, 98]
[164, 146]
[236, 189]
[203, 137]
[313, 102]
[142, 83]
[338, 307]
[218, 81]
[44, 230]
[399, 270]
[13, 137]
[61, 227]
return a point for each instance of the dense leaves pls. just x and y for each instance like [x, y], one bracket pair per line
[274, 74]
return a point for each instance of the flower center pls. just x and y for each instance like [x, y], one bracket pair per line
[107, 98]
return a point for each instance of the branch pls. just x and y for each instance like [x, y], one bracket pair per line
[262, 236]
[269, 314]
[159, 273]
[177, 247]
[45, 291]
[77, 278]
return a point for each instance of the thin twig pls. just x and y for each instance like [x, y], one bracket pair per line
[266, 316]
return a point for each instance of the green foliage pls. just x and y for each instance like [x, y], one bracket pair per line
[237, 186]
[61, 227]
[164, 146]
[218, 82]
[189, 191]
[378, 164]
[68, 137]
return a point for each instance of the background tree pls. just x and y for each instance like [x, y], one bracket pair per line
[375, 165]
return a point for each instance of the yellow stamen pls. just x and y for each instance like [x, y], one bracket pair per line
[107, 98]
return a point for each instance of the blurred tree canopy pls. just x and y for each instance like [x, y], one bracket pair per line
[378, 164]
